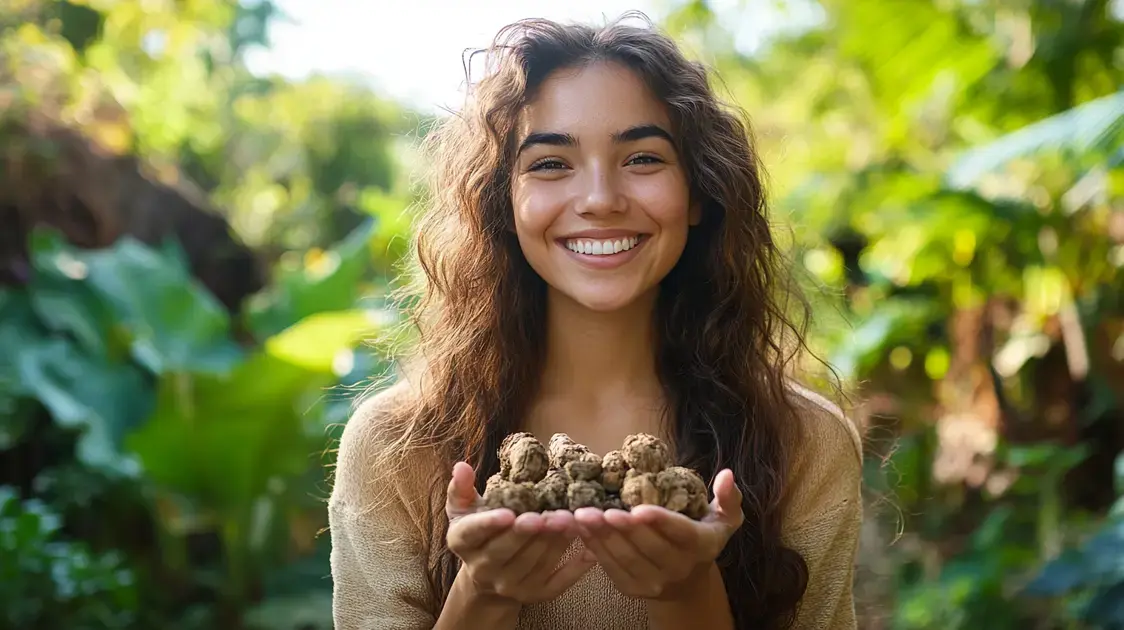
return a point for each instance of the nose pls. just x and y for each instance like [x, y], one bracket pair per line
[600, 194]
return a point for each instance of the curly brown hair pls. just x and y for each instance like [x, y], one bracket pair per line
[727, 335]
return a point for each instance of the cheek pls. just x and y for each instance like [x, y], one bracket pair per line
[534, 213]
[667, 203]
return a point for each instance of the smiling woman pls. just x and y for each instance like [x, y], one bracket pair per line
[596, 260]
[600, 198]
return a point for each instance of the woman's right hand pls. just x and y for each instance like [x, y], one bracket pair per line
[515, 558]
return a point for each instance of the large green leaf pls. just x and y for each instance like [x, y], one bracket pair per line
[70, 306]
[331, 285]
[17, 324]
[222, 440]
[317, 341]
[174, 323]
[1092, 127]
[102, 399]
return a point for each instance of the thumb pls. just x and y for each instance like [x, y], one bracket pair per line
[462, 488]
[728, 498]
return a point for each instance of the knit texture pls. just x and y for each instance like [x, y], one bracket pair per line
[379, 572]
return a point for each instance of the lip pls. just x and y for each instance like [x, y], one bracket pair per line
[603, 261]
[601, 234]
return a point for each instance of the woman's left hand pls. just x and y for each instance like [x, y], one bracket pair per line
[654, 553]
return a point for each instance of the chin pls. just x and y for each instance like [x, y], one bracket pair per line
[604, 304]
[604, 301]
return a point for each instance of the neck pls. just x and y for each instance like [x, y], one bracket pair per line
[599, 356]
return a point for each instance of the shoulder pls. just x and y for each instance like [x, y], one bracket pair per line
[369, 470]
[823, 422]
[825, 467]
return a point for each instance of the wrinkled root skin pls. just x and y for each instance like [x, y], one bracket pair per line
[683, 490]
[563, 450]
[640, 489]
[646, 453]
[587, 467]
[526, 460]
[613, 470]
[586, 494]
[552, 491]
[517, 497]
[567, 475]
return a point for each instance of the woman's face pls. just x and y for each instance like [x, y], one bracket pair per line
[601, 198]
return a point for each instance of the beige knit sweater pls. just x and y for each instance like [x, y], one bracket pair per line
[380, 580]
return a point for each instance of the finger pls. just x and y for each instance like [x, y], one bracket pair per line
[524, 562]
[590, 521]
[727, 497]
[560, 522]
[678, 528]
[626, 554]
[703, 539]
[649, 542]
[612, 567]
[566, 576]
[530, 523]
[548, 562]
[473, 531]
[461, 495]
[559, 529]
[500, 550]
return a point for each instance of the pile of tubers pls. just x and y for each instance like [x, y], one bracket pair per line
[565, 475]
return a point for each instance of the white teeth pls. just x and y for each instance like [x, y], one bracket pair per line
[601, 248]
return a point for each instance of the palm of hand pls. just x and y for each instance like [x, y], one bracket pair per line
[652, 552]
[515, 558]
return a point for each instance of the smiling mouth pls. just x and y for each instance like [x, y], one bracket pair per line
[602, 247]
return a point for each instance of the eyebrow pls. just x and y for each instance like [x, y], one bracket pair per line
[553, 139]
[632, 134]
[639, 132]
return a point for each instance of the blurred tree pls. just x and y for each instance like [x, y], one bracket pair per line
[124, 402]
[953, 170]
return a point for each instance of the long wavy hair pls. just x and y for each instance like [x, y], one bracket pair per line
[727, 334]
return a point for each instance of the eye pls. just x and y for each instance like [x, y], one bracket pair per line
[642, 160]
[547, 164]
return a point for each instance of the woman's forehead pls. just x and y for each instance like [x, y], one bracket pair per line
[599, 98]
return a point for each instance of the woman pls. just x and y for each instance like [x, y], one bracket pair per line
[596, 260]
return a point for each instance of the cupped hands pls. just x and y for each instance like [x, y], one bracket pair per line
[513, 557]
[655, 553]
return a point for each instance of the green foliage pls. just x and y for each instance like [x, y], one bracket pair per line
[954, 172]
[143, 418]
[120, 347]
[49, 582]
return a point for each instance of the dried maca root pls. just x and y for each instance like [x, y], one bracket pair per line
[563, 450]
[645, 453]
[517, 497]
[505, 446]
[613, 470]
[523, 458]
[585, 467]
[567, 475]
[640, 488]
[683, 490]
[585, 494]
[492, 482]
[551, 491]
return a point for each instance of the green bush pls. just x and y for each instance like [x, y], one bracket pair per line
[47, 581]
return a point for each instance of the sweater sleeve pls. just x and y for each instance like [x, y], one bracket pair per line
[378, 566]
[824, 515]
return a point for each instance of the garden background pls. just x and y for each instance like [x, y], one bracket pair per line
[193, 256]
